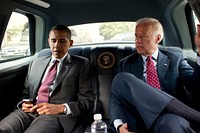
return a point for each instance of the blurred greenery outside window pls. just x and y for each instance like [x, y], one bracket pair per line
[103, 32]
[15, 43]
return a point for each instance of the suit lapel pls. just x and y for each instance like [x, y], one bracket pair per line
[40, 73]
[137, 66]
[163, 64]
[66, 66]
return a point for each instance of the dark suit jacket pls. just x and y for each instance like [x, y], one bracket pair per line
[72, 85]
[173, 70]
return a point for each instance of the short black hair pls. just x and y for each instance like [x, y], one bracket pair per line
[62, 28]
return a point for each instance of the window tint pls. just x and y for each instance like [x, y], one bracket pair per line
[15, 43]
[103, 32]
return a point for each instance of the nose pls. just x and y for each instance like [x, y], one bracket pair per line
[56, 44]
[138, 39]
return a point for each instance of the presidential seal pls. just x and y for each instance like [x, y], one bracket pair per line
[106, 60]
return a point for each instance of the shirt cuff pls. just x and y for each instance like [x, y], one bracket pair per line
[69, 111]
[117, 123]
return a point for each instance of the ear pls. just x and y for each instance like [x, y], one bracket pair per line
[158, 38]
[71, 43]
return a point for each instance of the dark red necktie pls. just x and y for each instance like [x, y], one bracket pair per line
[43, 93]
[152, 76]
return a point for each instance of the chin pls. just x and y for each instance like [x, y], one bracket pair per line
[140, 51]
[57, 56]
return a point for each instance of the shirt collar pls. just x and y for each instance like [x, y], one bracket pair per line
[60, 60]
[154, 55]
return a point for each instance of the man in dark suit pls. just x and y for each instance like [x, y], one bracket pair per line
[137, 106]
[70, 95]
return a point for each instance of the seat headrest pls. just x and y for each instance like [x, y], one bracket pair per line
[44, 52]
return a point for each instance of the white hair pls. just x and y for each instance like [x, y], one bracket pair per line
[156, 25]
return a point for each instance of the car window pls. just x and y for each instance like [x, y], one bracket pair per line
[103, 32]
[15, 43]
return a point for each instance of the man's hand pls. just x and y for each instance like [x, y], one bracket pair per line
[46, 108]
[124, 129]
[27, 107]
[197, 38]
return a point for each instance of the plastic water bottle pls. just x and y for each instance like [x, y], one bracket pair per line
[98, 126]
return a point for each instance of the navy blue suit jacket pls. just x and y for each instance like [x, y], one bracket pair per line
[174, 74]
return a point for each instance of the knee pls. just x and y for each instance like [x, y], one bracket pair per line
[119, 81]
[122, 77]
[171, 123]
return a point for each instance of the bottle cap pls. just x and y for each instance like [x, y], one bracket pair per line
[97, 117]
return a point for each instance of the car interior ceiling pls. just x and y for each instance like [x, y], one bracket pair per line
[113, 10]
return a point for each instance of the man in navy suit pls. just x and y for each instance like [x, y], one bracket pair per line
[70, 94]
[136, 106]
